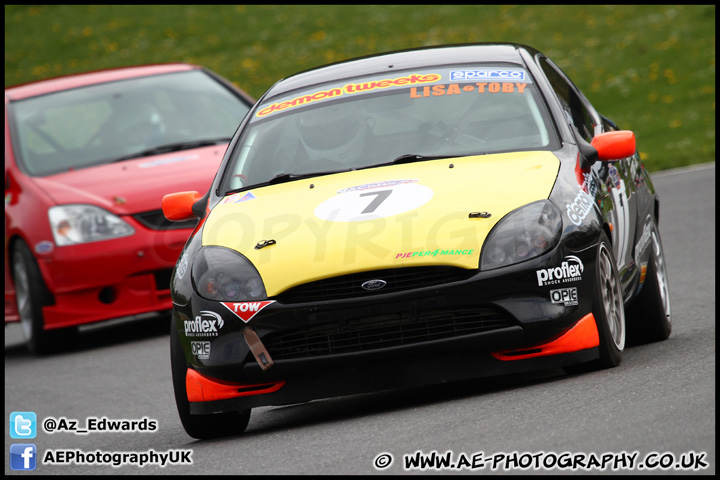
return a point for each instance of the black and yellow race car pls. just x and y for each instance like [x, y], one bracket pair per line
[412, 218]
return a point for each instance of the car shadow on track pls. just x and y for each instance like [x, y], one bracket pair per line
[267, 420]
[91, 337]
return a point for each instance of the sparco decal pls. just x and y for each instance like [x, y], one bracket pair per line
[580, 207]
[569, 271]
[245, 311]
[207, 324]
[487, 74]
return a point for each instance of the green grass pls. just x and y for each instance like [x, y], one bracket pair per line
[648, 68]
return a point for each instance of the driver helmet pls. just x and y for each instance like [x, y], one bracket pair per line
[335, 132]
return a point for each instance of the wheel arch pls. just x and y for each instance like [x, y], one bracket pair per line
[608, 231]
[13, 242]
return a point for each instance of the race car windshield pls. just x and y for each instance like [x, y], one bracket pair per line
[414, 115]
[122, 120]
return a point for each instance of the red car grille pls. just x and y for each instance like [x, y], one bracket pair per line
[155, 220]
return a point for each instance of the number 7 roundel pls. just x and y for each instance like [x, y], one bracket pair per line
[368, 203]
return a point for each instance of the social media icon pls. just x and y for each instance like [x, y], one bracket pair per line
[23, 456]
[23, 425]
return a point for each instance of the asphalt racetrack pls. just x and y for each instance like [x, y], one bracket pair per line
[655, 413]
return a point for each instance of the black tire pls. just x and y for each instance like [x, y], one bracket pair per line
[608, 310]
[31, 295]
[650, 315]
[608, 307]
[200, 426]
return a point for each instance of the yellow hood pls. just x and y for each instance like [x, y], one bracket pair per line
[414, 214]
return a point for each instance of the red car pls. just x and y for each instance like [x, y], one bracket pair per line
[88, 159]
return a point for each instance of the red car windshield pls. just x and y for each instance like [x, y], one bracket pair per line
[107, 122]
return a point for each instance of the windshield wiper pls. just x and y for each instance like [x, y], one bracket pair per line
[414, 157]
[172, 147]
[288, 177]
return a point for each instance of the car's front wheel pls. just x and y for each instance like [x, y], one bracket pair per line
[608, 307]
[31, 295]
[200, 426]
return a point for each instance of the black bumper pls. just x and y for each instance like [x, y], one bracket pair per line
[412, 338]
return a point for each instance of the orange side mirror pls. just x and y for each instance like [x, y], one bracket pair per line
[177, 207]
[614, 145]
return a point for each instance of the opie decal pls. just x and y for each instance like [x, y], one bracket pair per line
[566, 296]
[201, 349]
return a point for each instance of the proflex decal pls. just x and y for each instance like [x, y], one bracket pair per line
[569, 271]
[245, 311]
[207, 324]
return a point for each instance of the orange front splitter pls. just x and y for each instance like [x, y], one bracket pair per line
[204, 389]
[581, 336]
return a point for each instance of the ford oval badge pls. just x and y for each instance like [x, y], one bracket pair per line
[374, 284]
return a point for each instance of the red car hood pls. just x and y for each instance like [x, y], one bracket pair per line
[136, 185]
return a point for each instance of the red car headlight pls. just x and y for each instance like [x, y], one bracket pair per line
[77, 224]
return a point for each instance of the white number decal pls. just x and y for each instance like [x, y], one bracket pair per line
[371, 203]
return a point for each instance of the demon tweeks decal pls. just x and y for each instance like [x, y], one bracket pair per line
[245, 311]
[349, 89]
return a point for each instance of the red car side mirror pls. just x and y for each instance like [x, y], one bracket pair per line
[614, 145]
[177, 207]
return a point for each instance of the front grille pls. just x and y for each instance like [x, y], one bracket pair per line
[398, 279]
[366, 334]
[155, 220]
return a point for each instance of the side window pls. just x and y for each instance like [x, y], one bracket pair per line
[577, 112]
[608, 126]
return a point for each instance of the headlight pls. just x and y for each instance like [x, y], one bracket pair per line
[75, 224]
[222, 274]
[521, 235]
